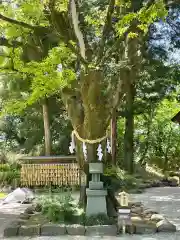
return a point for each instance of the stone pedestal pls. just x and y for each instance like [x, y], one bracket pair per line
[96, 202]
[96, 195]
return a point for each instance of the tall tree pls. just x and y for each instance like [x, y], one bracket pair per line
[106, 49]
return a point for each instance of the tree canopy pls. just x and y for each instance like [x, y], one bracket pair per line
[97, 56]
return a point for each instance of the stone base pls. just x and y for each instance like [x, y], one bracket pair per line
[95, 185]
[96, 202]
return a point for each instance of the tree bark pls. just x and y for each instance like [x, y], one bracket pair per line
[114, 136]
[129, 130]
[130, 75]
[47, 132]
[90, 112]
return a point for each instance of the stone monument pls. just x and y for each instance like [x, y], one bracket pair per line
[96, 194]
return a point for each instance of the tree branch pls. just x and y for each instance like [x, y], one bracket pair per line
[14, 43]
[19, 23]
[107, 27]
[119, 94]
[171, 3]
[74, 50]
[5, 42]
[149, 3]
[10, 70]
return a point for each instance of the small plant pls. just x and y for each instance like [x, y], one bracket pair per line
[58, 208]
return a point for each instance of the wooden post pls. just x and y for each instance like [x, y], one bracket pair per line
[47, 133]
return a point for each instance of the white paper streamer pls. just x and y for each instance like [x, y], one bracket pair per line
[108, 146]
[85, 151]
[99, 152]
[59, 67]
[72, 144]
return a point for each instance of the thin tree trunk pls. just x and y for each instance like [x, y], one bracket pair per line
[114, 136]
[47, 133]
[166, 159]
[149, 123]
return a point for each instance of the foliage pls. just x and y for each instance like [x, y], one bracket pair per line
[58, 208]
[41, 57]
[9, 173]
[25, 133]
[116, 179]
[163, 147]
[42, 64]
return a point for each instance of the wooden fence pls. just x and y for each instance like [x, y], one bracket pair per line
[49, 172]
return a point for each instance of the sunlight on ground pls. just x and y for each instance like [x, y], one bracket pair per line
[3, 195]
[155, 171]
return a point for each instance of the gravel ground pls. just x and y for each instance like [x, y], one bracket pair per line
[164, 200]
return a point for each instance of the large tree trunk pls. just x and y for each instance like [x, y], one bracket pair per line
[89, 110]
[47, 132]
[114, 136]
[129, 130]
[130, 73]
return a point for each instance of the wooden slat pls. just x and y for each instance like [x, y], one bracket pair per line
[46, 174]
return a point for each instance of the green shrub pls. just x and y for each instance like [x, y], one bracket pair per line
[5, 167]
[8, 177]
[58, 209]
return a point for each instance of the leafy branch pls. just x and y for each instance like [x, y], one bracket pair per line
[106, 29]
[19, 23]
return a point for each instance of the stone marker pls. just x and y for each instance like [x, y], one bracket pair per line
[124, 213]
[96, 194]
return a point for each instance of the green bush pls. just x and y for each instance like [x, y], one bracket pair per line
[9, 173]
[58, 209]
[8, 177]
[5, 167]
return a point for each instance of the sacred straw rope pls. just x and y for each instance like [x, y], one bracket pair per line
[98, 140]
